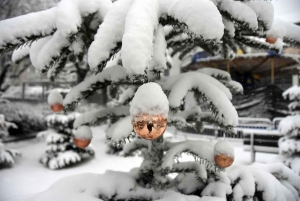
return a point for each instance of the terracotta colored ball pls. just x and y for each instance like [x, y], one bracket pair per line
[223, 160]
[57, 107]
[149, 127]
[82, 143]
[271, 40]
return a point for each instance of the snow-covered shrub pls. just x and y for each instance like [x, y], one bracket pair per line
[29, 117]
[61, 150]
[289, 145]
[7, 156]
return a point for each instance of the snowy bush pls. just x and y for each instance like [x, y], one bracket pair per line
[28, 117]
[289, 145]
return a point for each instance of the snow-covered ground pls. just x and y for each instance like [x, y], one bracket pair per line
[28, 177]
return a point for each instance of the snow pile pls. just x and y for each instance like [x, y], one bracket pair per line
[83, 132]
[55, 97]
[288, 146]
[63, 159]
[216, 73]
[7, 156]
[149, 99]
[229, 26]
[284, 30]
[35, 48]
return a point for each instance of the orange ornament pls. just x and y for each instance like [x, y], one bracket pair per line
[271, 40]
[82, 143]
[223, 160]
[57, 107]
[149, 127]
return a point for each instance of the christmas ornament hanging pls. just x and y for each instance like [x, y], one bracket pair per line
[55, 100]
[271, 40]
[149, 127]
[83, 137]
[223, 154]
[149, 111]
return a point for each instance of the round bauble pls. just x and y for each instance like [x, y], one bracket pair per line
[271, 40]
[57, 107]
[55, 100]
[223, 154]
[83, 136]
[149, 127]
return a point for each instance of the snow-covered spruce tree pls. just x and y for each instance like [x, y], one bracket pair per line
[61, 150]
[141, 31]
[289, 145]
[7, 156]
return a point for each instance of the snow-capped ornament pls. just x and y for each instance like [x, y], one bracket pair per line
[223, 154]
[149, 111]
[55, 100]
[83, 136]
[271, 40]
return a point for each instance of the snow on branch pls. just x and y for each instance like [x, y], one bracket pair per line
[264, 11]
[193, 13]
[93, 83]
[20, 54]
[290, 125]
[137, 46]
[95, 117]
[19, 30]
[188, 167]
[238, 12]
[108, 39]
[51, 51]
[211, 90]
[120, 131]
[202, 151]
[292, 93]
[137, 144]
[215, 73]
[7, 156]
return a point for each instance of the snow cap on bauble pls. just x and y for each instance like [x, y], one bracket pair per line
[83, 132]
[224, 147]
[150, 99]
[55, 97]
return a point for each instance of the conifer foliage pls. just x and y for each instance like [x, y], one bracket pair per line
[126, 44]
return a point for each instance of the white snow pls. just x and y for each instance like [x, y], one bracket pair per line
[55, 97]
[113, 74]
[51, 49]
[149, 99]
[109, 33]
[120, 130]
[83, 132]
[159, 60]
[264, 11]
[224, 147]
[229, 26]
[216, 73]
[290, 125]
[77, 46]
[193, 13]
[39, 23]
[35, 48]
[281, 29]
[102, 114]
[20, 53]
[210, 87]
[292, 93]
[137, 41]
[240, 11]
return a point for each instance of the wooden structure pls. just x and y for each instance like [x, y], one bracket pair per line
[263, 65]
